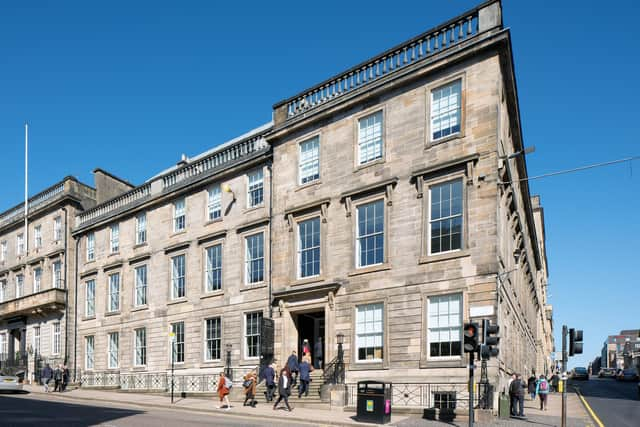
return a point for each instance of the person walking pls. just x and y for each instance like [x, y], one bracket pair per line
[512, 397]
[517, 388]
[250, 389]
[224, 386]
[542, 390]
[305, 378]
[306, 350]
[284, 389]
[57, 378]
[65, 378]
[318, 350]
[270, 381]
[294, 367]
[531, 386]
[555, 380]
[47, 374]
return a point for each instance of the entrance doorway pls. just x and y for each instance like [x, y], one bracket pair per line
[311, 327]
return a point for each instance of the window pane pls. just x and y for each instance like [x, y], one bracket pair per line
[309, 247]
[309, 166]
[446, 217]
[254, 258]
[369, 331]
[444, 325]
[370, 233]
[370, 138]
[446, 110]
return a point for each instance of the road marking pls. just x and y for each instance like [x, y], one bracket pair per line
[591, 412]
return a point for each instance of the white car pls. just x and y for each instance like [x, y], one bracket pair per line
[10, 383]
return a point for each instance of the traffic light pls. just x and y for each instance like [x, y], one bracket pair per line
[490, 340]
[470, 337]
[575, 342]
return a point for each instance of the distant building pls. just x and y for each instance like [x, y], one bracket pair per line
[621, 351]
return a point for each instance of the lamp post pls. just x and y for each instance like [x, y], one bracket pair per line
[227, 367]
[340, 370]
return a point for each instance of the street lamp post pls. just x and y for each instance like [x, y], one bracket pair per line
[228, 363]
[340, 371]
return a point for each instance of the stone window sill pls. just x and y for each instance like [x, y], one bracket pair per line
[87, 318]
[113, 313]
[212, 294]
[307, 280]
[140, 308]
[253, 287]
[306, 185]
[364, 166]
[213, 221]
[443, 140]
[443, 363]
[366, 366]
[140, 245]
[253, 208]
[177, 301]
[370, 269]
[426, 259]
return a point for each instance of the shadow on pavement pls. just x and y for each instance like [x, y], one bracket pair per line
[21, 411]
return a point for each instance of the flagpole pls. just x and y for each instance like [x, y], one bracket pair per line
[26, 187]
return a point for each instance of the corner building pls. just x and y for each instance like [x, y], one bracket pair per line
[386, 205]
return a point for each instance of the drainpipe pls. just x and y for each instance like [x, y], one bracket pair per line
[75, 313]
[66, 296]
[270, 168]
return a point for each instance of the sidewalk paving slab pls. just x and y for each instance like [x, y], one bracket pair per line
[209, 405]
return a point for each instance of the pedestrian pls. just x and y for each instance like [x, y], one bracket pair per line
[270, 380]
[555, 379]
[305, 378]
[531, 386]
[65, 378]
[224, 387]
[542, 390]
[249, 385]
[512, 398]
[318, 350]
[284, 389]
[517, 389]
[293, 365]
[306, 350]
[47, 374]
[306, 357]
[57, 378]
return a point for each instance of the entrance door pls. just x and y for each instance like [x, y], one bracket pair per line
[311, 327]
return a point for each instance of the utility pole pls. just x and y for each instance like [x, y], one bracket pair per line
[564, 375]
[471, 385]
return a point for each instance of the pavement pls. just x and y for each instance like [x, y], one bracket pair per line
[141, 402]
[84, 407]
[614, 403]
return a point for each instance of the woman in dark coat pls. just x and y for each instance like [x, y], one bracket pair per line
[284, 389]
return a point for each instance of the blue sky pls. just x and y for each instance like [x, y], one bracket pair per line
[129, 86]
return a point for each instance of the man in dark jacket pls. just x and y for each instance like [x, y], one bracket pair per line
[318, 350]
[294, 367]
[65, 378]
[517, 391]
[47, 374]
[305, 370]
[270, 380]
[57, 377]
[284, 389]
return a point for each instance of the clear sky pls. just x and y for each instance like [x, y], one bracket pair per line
[129, 86]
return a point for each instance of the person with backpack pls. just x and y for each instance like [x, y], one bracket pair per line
[224, 387]
[542, 390]
[249, 385]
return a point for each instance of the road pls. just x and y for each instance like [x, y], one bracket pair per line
[31, 410]
[615, 403]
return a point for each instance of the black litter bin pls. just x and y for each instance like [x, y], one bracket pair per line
[374, 402]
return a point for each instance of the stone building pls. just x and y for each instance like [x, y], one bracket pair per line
[37, 268]
[380, 210]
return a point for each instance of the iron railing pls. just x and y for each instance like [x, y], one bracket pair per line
[334, 372]
[423, 395]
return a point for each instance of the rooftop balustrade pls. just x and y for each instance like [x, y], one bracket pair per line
[210, 163]
[444, 37]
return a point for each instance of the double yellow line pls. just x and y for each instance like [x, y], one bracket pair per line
[586, 405]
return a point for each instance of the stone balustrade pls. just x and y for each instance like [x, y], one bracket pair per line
[38, 200]
[44, 301]
[210, 163]
[446, 36]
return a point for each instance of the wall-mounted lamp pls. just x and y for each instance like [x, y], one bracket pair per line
[227, 189]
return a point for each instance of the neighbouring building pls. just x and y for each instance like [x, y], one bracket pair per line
[621, 351]
[377, 213]
[37, 270]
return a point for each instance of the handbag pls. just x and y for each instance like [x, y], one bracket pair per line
[247, 383]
